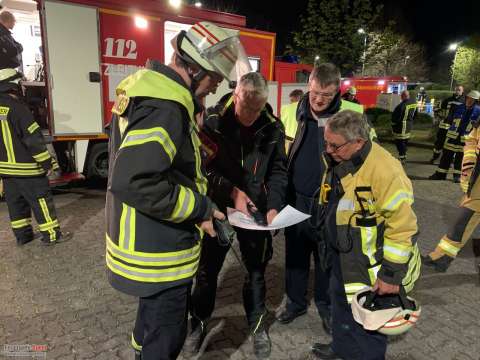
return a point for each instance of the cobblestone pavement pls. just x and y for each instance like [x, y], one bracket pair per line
[58, 296]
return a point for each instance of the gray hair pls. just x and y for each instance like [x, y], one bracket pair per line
[253, 84]
[349, 124]
[326, 74]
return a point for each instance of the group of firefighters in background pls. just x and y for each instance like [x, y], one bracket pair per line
[160, 202]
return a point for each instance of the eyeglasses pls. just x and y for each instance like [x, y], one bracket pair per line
[335, 147]
[322, 95]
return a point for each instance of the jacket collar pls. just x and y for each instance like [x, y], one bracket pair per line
[355, 163]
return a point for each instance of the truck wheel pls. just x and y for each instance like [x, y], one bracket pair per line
[98, 161]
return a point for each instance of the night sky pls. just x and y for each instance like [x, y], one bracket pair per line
[435, 24]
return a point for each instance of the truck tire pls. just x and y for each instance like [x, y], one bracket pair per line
[98, 161]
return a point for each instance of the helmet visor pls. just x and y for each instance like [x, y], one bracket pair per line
[228, 58]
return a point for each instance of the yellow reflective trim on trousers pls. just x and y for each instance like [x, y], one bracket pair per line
[397, 199]
[21, 172]
[18, 224]
[153, 259]
[396, 253]
[151, 275]
[135, 345]
[413, 272]
[46, 214]
[4, 110]
[155, 134]
[448, 248]
[48, 225]
[33, 127]
[369, 248]
[184, 205]
[42, 156]
[7, 140]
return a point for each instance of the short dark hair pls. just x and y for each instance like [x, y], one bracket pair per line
[296, 93]
[350, 124]
[326, 74]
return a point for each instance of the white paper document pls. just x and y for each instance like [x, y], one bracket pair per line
[287, 217]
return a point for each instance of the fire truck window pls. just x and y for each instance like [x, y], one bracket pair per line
[302, 76]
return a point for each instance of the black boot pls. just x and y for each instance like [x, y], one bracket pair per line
[435, 156]
[437, 176]
[324, 351]
[194, 341]
[439, 265]
[262, 346]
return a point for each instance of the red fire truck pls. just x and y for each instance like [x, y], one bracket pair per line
[368, 88]
[77, 51]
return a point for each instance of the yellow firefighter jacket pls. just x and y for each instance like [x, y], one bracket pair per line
[469, 180]
[374, 225]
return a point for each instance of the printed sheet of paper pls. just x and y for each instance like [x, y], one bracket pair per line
[287, 217]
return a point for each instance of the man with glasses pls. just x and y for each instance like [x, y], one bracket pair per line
[248, 172]
[370, 228]
[305, 169]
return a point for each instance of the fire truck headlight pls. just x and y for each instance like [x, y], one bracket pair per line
[381, 82]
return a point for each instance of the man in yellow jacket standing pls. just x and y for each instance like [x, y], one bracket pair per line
[367, 218]
[157, 209]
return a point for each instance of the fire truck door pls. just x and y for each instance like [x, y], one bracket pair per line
[72, 41]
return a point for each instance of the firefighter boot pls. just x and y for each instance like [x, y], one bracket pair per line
[435, 156]
[194, 341]
[437, 176]
[439, 265]
[62, 237]
[262, 345]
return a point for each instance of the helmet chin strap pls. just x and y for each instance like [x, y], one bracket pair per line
[196, 78]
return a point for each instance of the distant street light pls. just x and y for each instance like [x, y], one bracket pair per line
[175, 3]
[406, 58]
[198, 4]
[362, 31]
[453, 47]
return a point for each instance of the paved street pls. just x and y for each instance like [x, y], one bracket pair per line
[59, 297]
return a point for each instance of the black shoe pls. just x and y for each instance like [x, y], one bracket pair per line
[62, 237]
[262, 346]
[138, 355]
[439, 265]
[324, 351]
[288, 316]
[437, 176]
[194, 341]
[327, 324]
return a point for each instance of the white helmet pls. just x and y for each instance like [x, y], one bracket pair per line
[474, 94]
[391, 314]
[214, 49]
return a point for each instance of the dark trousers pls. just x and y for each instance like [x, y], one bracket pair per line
[401, 145]
[301, 244]
[446, 160]
[349, 339]
[24, 195]
[161, 325]
[440, 140]
[256, 250]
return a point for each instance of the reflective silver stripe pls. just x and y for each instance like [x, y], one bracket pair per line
[130, 138]
[186, 201]
[403, 196]
[346, 205]
[149, 260]
[396, 251]
[170, 273]
[128, 214]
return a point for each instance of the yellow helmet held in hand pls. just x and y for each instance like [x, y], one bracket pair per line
[9, 79]
[391, 314]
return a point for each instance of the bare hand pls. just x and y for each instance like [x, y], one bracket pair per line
[383, 288]
[241, 200]
[271, 215]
